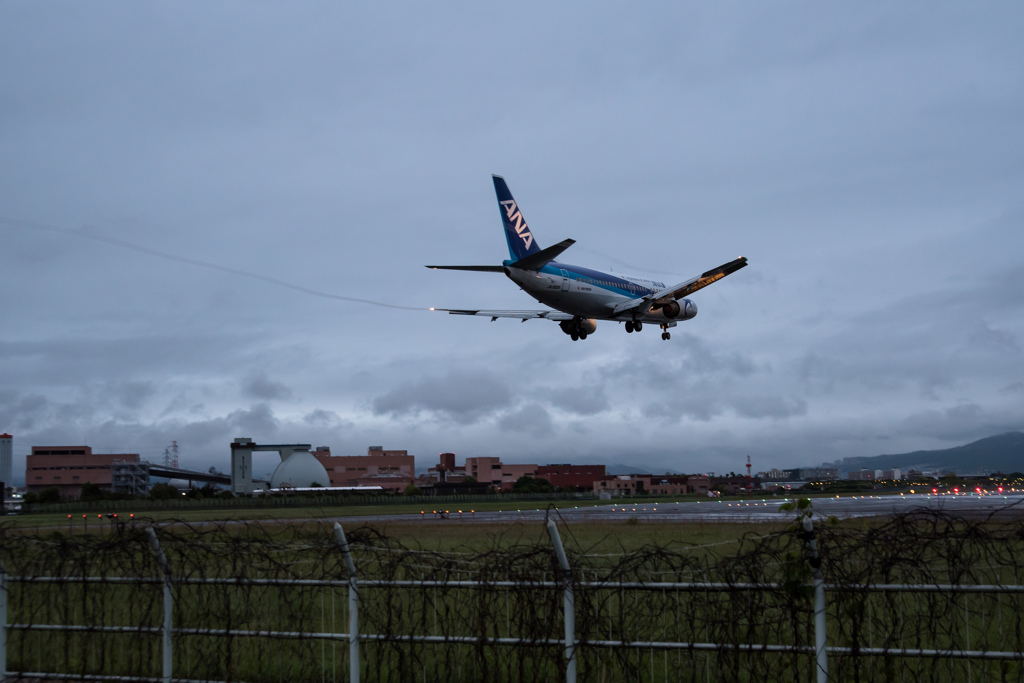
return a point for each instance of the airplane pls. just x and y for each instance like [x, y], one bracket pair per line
[582, 296]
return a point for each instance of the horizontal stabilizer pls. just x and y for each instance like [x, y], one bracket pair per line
[538, 260]
[478, 269]
[519, 315]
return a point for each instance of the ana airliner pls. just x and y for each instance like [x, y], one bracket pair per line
[581, 296]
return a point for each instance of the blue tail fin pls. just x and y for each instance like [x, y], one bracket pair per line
[517, 232]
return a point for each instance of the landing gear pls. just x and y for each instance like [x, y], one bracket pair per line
[578, 328]
[629, 326]
[634, 326]
[666, 336]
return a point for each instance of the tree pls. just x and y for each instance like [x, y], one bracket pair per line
[412, 490]
[528, 484]
[469, 480]
[163, 492]
[91, 492]
[50, 495]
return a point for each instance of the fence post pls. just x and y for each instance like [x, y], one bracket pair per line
[167, 630]
[569, 604]
[353, 606]
[819, 601]
[3, 623]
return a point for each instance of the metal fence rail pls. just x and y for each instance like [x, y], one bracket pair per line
[814, 633]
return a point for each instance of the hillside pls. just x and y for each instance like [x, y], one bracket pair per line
[1001, 453]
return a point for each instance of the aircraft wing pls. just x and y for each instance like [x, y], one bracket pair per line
[683, 288]
[557, 316]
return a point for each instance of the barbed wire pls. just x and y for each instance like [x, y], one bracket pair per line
[269, 602]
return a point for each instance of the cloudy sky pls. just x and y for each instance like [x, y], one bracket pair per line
[157, 160]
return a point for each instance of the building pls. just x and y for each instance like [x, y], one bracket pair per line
[445, 471]
[801, 474]
[391, 470]
[68, 467]
[6, 461]
[572, 477]
[492, 471]
[732, 486]
[652, 484]
[861, 475]
[130, 478]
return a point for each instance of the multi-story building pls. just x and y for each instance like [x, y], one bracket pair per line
[68, 467]
[801, 474]
[652, 484]
[444, 471]
[731, 486]
[391, 470]
[6, 461]
[492, 471]
[572, 477]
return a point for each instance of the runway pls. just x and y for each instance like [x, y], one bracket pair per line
[732, 511]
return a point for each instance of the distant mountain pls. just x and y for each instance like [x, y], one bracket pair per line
[1002, 453]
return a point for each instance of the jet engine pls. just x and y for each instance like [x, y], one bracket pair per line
[679, 310]
[578, 327]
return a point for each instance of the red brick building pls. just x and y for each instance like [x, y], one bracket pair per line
[68, 467]
[571, 477]
[652, 484]
[391, 470]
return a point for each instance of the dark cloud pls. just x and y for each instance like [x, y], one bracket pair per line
[321, 418]
[530, 421]
[461, 396]
[133, 394]
[869, 164]
[257, 420]
[581, 400]
[262, 388]
[774, 407]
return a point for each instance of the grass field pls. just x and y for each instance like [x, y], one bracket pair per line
[289, 559]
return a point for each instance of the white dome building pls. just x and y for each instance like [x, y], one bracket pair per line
[299, 470]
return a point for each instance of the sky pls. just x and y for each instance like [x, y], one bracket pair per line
[192, 193]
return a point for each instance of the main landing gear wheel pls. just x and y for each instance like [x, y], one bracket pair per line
[583, 335]
[575, 336]
[629, 326]
[637, 326]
